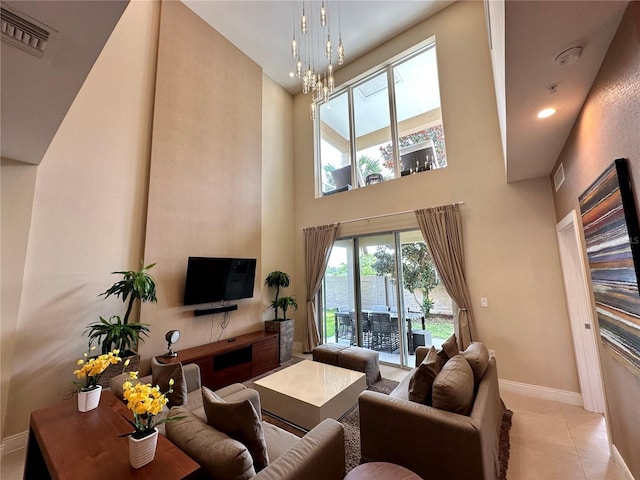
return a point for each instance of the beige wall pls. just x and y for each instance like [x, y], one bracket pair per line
[510, 245]
[197, 156]
[206, 167]
[277, 188]
[88, 216]
[608, 128]
[18, 185]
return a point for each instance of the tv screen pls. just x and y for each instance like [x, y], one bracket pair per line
[211, 279]
[240, 277]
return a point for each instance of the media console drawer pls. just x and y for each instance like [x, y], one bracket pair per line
[223, 363]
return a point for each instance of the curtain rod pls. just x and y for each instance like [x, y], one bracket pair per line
[382, 215]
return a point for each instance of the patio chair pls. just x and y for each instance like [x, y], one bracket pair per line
[367, 333]
[384, 335]
[345, 326]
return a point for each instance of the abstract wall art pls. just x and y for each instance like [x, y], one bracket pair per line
[612, 237]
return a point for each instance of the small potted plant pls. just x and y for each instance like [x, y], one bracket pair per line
[89, 372]
[284, 326]
[145, 402]
[119, 333]
[284, 303]
[277, 279]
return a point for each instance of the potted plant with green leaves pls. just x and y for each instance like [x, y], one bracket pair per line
[276, 280]
[284, 303]
[284, 326]
[121, 333]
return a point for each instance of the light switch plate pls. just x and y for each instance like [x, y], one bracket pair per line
[484, 302]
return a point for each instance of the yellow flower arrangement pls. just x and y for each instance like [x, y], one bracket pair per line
[145, 402]
[91, 369]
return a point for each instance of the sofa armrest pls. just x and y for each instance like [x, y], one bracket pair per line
[423, 439]
[319, 455]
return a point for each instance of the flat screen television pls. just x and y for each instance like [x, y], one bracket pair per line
[213, 279]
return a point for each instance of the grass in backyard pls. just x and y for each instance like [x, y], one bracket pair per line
[438, 326]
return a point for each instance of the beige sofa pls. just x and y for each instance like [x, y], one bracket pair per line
[431, 442]
[319, 455]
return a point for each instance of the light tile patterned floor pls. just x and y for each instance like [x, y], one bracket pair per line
[549, 441]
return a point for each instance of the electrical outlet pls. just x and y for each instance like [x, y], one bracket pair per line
[484, 302]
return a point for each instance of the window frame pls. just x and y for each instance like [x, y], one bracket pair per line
[348, 88]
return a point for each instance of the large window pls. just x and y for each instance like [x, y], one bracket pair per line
[384, 126]
[382, 292]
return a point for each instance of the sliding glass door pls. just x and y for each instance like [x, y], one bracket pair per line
[382, 292]
[379, 326]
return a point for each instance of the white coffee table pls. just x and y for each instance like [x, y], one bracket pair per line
[308, 392]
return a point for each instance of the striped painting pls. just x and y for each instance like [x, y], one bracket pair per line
[612, 238]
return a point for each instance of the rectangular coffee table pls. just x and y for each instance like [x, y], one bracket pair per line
[308, 392]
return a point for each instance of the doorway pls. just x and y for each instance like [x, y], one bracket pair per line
[381, 292]
[578, 297]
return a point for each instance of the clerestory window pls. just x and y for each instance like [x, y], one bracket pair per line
[381, 127]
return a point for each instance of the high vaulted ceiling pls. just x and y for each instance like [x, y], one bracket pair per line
[535, 32]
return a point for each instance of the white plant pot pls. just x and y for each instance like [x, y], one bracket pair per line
[89, 400]
[143, 451]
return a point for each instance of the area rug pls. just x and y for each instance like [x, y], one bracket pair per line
[351, 423]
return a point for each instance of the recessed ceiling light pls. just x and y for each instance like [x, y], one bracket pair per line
[291, 74]
[546, 112]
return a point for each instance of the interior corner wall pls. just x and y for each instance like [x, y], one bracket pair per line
[205, 178]
[87, 217]
[17, 189]
[511, 250]
[277, 187]
[608, 128]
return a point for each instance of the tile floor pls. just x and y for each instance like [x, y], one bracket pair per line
[549, 441]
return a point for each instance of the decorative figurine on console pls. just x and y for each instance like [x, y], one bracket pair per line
[172, 337]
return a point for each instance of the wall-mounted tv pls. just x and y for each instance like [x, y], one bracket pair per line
[213, 279]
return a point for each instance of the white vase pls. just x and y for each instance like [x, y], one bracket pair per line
[88, 400]
[142, 451]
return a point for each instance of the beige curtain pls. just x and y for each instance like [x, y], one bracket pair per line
[442, 229]
[318, 242]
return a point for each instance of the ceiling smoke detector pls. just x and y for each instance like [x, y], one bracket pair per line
[568, 56]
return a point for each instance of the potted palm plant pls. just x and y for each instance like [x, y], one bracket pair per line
[120, 333]
[284, 326]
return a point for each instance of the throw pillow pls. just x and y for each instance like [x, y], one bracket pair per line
[422, 379]
[453, 387]
[219, 455]
[478, 357]
[240, 421]
[449, 350]
[160, 376]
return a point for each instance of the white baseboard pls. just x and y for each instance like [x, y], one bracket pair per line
[14, 442]
[544, 393]
[621, 463]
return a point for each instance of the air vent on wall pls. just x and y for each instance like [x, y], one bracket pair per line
[24, 32]
[558, 177]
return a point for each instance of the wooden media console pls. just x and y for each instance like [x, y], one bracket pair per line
[230, 361]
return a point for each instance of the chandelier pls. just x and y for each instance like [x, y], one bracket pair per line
[314, 49]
